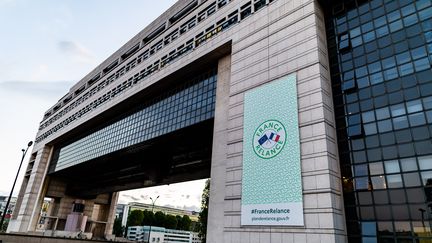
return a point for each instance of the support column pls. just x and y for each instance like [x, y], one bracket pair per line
[215, 220]
[28, 209]
[111, 215]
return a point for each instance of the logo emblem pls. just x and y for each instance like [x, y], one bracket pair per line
[269, 139]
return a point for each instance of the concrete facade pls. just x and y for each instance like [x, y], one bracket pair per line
[284, 37]
[270, 46]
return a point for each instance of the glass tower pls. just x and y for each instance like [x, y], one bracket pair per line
[380, 55]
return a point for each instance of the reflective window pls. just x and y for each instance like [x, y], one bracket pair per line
[425, 162]
[186, 105]
[409, 164]
[378, 182]
[391, 166]
[394, 181]
[391, 57]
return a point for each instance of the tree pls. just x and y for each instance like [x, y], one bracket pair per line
[170, 222]
[194, 226]
[185, 223]
[159, 219]
[135, 218]
[202, 218]
[149, 218]
[179, 222]
[118, 229]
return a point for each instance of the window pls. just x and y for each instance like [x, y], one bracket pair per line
[425, 162]
[141, 125]
[361, 183]
[417, 119]
[384, 126]
[400, 122]
[382, 113]
[259, 4]
[245, 10]
[398, 110]
[422, 64]
[378, 182]
[427, 178]
[391, 166]
[349, 85]
[385, 46]
[406, 69]
[368, 116]
[344, 42]
[411, 179]
[368, 228]
[394, 181]
[370, 129]
[414, 106]
[361, 170]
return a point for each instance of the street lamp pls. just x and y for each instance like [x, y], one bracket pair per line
[153, 203]
[422, 217]
[24, 151]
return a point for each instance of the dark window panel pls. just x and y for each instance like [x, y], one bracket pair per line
[383, 213]
[387, 139]
[406, 150]
[400, 212]
[392, 64]
[381, 196]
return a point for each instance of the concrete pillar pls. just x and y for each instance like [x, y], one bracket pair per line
[219, 153]
[111, 215]
[31, 198]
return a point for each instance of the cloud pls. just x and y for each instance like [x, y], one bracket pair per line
[77, 52]
[192, 208]
[36, 89]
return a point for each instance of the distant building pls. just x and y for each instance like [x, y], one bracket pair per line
[3, 201]
[161, 235]
[120, 209]
[123, 211]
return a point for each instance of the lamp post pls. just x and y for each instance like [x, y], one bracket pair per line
[24, 151]
[422, 217]
[153, 203]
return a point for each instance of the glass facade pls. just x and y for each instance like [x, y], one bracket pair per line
[183, 106]
[380, 55]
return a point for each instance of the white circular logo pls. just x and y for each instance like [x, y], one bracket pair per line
[269, 139]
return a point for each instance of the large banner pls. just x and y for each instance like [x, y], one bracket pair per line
[272, 187]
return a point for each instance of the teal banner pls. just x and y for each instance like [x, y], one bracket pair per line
[272, 187]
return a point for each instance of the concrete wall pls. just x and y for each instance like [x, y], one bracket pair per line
[219, 151]
[286, 38]
[31, 194]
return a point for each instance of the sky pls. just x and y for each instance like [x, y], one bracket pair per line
[48, 45]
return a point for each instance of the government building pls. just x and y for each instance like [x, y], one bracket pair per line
[161, 234]
[313, 119]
